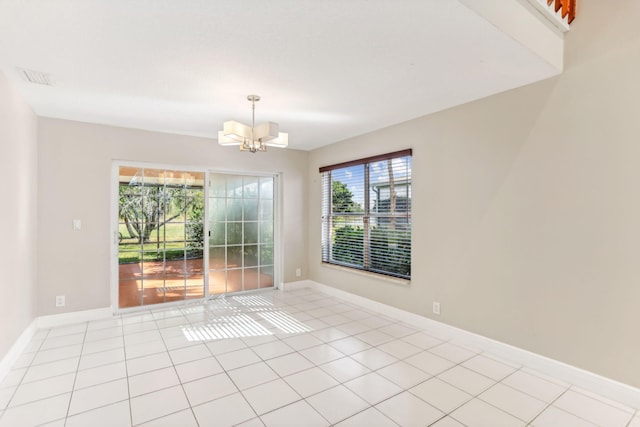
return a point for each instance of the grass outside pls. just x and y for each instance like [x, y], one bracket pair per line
[168, 242]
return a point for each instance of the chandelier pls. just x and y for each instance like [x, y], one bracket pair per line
[252, 138]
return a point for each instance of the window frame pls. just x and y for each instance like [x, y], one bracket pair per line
[329, 217]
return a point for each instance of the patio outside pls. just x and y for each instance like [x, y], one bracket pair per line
[161, 230]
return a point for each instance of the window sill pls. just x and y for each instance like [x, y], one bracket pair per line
[368, 274]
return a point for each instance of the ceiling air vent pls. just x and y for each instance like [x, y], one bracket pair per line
[36, 77]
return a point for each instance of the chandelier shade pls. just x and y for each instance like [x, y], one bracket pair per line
[252, 138]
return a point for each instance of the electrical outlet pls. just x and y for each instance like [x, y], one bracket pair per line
[436, 308]
[60, 301]
[298, 272]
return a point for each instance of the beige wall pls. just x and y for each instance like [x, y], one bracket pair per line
[18, 214]
[527, 207]
[75, 183]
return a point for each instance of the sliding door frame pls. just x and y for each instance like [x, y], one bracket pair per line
[278, 263]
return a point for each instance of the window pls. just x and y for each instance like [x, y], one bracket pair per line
[366, 214]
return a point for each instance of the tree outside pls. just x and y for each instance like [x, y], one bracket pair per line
[160, 222]
[389, 243]
[342, 199]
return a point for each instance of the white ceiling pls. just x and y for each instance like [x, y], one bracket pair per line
[326, 70]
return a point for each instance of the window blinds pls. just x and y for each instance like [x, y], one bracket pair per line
[366, 214]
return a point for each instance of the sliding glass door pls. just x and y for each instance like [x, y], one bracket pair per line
[170, 220]
[160, 236]
[241, 241]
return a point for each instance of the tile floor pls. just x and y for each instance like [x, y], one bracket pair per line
[295, 358]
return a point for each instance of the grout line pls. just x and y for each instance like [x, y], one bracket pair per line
[560, 409]
[126, 367]
[200, 315]
[173, 365]
[75, 376]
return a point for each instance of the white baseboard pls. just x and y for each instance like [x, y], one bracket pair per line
[16, 349]
[289, 286]
[44, 322]
[581, 378]
[56, 320]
